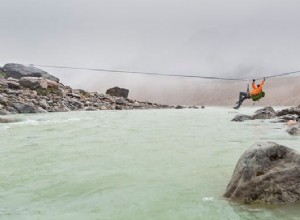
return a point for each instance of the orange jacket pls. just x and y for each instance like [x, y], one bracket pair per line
[256, 90]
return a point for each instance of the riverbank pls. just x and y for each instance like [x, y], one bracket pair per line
[31, 90]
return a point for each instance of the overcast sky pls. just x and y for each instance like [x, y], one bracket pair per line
[206, 37]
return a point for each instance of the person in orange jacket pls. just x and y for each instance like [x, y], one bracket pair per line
[256, 90]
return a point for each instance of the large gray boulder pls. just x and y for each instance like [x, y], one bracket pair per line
[18, 71]
[119, 92]
[264, 113]
[24, 108]
[266, 173]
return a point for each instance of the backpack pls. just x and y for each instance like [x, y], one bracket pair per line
[258, 96]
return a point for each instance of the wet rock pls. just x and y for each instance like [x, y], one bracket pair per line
[241, 118]
[18, 71]
[289, 111]
[8, 120]
[265, 113]
[24, 108]
[119, 92]
[294, 130]
[266, 173]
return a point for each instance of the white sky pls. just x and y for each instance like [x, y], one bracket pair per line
[206, 37]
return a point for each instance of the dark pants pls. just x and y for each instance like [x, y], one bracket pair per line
[243, 96]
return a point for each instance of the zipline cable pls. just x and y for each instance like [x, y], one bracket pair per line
[138, 72]
[159, 74]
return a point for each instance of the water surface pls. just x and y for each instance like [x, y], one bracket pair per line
[147, 164]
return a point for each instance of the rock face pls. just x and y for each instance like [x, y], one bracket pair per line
[119, 92]
[266, 173]
[18, 71]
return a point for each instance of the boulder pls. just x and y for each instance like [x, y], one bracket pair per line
[8, 120]
[18, 71]
[241, 118]
[265, 113]
[294, 130]
[33, 83]
[24, 108]
[266, 173]
[119, 92]
[289, 111]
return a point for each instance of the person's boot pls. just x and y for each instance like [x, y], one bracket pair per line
[238, 106]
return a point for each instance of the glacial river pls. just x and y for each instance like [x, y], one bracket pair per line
[130, 165]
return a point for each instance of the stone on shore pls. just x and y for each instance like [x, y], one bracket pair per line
[34, 83]
[18, 71]
[31, 90]
[24, 108]
[119, 92]
[266, 173]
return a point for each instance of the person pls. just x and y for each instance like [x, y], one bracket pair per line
[256, 93]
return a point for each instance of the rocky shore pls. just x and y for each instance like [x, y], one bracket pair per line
[289, 116]
[268, 173]
[26, 89]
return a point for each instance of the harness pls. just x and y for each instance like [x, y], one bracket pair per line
[255, 97]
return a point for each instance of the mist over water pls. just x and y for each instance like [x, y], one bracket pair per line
[155, 164]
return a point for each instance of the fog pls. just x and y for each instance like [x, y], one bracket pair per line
[249, 38]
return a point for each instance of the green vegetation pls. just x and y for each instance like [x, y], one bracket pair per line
[3, 74]
[45, 92]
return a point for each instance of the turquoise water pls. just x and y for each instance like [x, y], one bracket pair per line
[147, 164]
